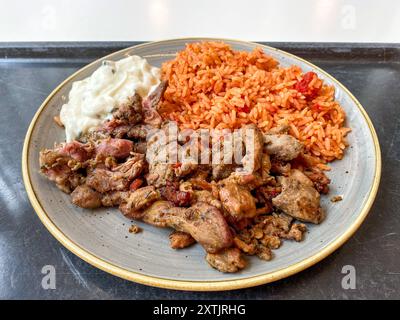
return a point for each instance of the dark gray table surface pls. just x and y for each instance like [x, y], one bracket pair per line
[29, 72]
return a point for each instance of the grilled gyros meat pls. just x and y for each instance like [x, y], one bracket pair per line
[230, 209]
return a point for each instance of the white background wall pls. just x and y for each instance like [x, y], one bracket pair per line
[280, 20]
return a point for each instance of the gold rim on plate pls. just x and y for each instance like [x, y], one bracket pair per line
[216, 285]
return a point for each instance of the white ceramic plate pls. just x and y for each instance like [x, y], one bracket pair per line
[101, 237]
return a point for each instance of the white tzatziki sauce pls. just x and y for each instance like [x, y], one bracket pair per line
[92, 100]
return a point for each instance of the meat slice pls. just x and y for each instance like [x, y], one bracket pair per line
[228, 260]
[124, 117]
[65, 152]
[254, 142]
[222, 171]
[118, 178]
[299, 198]
[132, 167]
[150, 105]
[282, 146]
[120, 131]
[117, 148]
[159, 174]
[61, 164]
[180, 240]
[103, 180]
[269, 192]
[296, 232]
[320, 180]
[113, 128]
[139, 131]
[277, 226]
[172, 193]
[221, 168]
[130, 111]
[85, 197]
[160, 171]
[236, 200]
[76, 150]
[155, 96]
[136, 201]
[65, 178]
[114, 198]
[168, 161]
[265, 165]
[203, 222]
